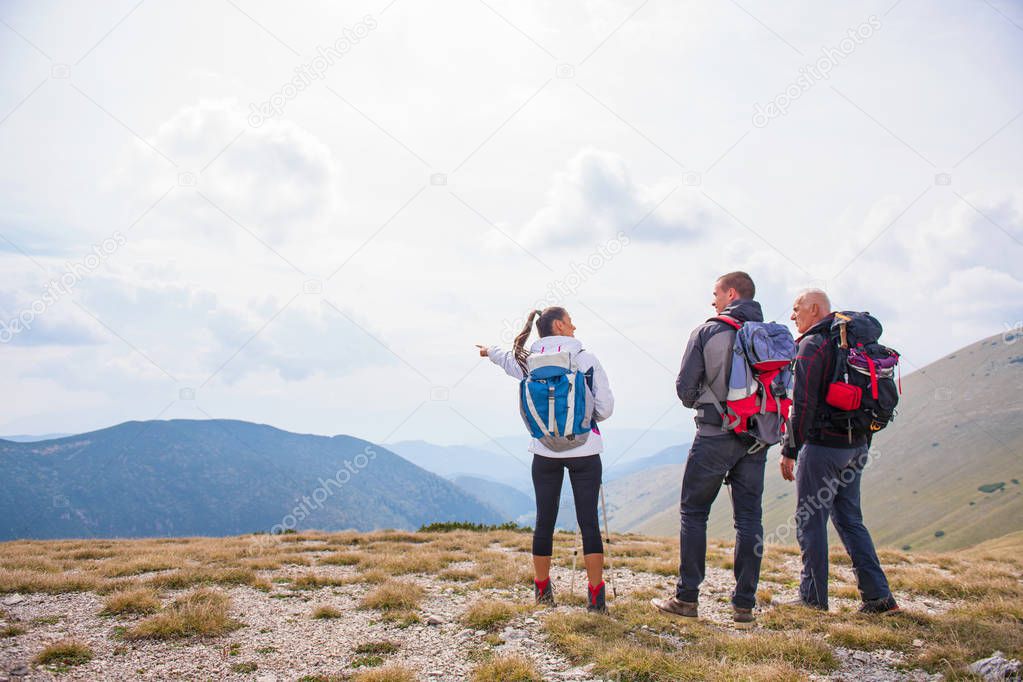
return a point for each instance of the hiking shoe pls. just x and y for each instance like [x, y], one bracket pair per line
[880, 606]
[597, 602]
[674, 605]
[543, 592]
[743, 616]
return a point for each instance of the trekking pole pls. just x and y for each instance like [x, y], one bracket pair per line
[607, 542]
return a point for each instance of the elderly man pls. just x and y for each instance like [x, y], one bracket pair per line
[831, 464]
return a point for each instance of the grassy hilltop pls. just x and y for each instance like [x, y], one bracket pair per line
[392, 605]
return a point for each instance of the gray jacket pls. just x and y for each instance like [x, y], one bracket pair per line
[703, 378]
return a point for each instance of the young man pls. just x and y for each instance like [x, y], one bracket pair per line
[831, 464]
[717, 456]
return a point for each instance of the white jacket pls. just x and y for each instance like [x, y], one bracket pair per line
[603, 400]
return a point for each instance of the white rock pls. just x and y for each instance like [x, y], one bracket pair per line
[996, 667]
[510, 634]
[861, 656]
[433, 620]
[14, 599]
[918, 643]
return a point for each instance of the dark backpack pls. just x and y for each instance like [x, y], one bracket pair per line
[864, 392]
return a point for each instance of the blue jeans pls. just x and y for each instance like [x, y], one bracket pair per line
[828, 484]
[714, 460]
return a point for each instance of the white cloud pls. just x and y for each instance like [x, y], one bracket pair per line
[942, 276]
[596, 197]
[277, 180]
[558, 169]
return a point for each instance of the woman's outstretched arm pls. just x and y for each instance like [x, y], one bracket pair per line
[505, 359]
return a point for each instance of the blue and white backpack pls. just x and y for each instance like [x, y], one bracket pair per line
[556, 401]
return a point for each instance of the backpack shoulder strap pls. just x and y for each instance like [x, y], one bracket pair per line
[727, 319]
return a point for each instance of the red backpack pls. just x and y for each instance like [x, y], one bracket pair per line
[759, 383]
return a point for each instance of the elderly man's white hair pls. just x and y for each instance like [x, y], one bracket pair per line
[818, 296]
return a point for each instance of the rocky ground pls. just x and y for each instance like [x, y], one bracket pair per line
[280, 640]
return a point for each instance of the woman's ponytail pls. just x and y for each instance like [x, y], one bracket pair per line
[520, 341]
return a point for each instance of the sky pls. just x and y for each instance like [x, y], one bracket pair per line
[307, 215]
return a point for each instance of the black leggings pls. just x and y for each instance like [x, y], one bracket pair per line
[548, 474]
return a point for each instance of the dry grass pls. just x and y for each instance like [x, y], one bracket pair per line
[640, 643]
[343, 559]
[327, 611]
[313, 581]
[844, 592]
[657, 565]
[31, 563]
[490, 613]
[146, 564]
[28, 581]
[65, 653]
[370, 577]
[87, 554]
[388, 673]
[401, 618]
[202, 612]
[978, 580]
[404, 536]
[190, 577]
[393, 595]
[142, 601]
[796, 648]
[396, 560]
[500, 569]
[11, 631]
[462, 575]
[381, 648]
[506, 669]
[980, 591]
[869, 636]
[952, 639]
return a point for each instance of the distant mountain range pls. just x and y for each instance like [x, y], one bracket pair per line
[504, 483]
[27, 438]
[514, 504]
[506, 460]
[216, 477]
[621, 445]
[451, 461]
[221, 477]
[947, 472]
[671, 455]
